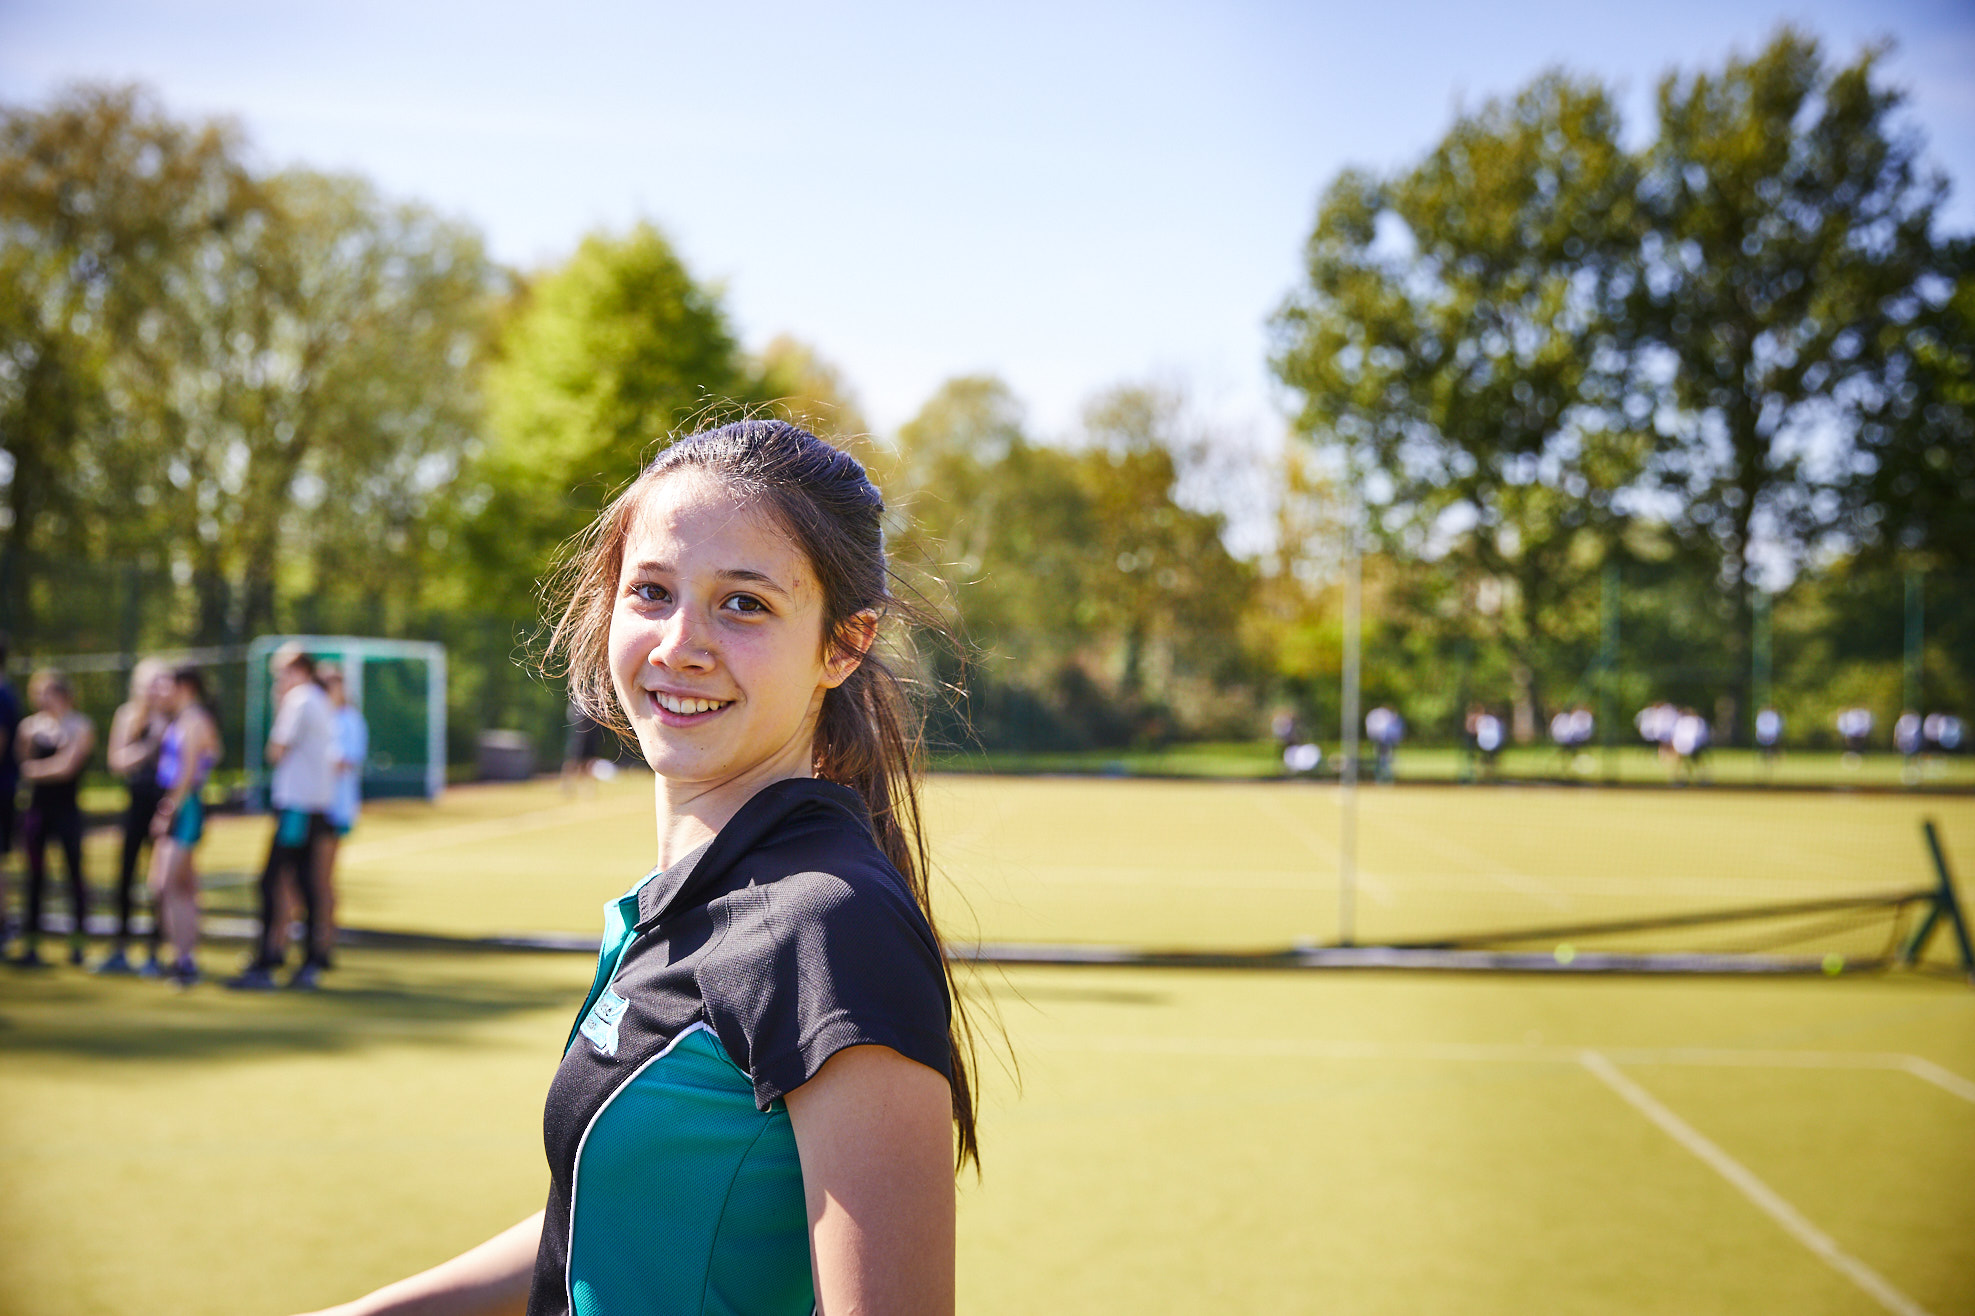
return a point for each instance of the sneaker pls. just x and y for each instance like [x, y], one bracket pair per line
[75, 952]
[117, 963]
[185, 973]
[305, 979]
[153, 968]
[29, 959]
[253, 978]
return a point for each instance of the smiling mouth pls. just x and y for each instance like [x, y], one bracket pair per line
[680, 706]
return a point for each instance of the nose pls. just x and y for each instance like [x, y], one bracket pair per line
[682, 645]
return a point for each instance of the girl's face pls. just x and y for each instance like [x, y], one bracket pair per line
[716, 639]
[160, 693]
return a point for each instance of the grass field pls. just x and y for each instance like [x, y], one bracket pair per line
[1178, 1140]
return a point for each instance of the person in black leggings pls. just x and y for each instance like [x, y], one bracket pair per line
[10, 783]
[136, 734]
[53, 745]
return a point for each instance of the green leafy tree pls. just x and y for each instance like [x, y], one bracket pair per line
[1165, 585]
[112, 218]
[800, 385]
[601, 362]
[1787, 266]
[1454, 339]
[237, 386]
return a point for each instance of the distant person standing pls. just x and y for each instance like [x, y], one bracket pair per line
[1909, 741]
[137, 733]
[302, 748]
[1855, 729]
[352, 748]
[10, 778]
[1942, 732]
[1769, 733]
[186, 758]
[1484, 731]
[53, 745]
[1690, 742]
[1583, 730]
[1561, 736]
[1385, 729]
[580, 749]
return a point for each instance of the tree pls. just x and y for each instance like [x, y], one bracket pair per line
[600, 363]
[1787, 260]
[1539, 349]
[811, 392]
[111, 216]
[1097, 608]
[1918, 504]
[1455, 339]
[251, 370]
[1165, 585]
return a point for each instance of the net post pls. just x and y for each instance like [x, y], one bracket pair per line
[1946, 906]
[1608, 603]
[1347, 831]
[1912, 670]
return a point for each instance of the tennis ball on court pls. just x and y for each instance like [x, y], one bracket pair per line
[1566, 953]
[1834, 964]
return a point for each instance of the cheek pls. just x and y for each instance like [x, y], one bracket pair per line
[627, 648]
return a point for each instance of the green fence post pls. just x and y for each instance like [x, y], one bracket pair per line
[1915, 639]
[1608, 586]
[1760, 660]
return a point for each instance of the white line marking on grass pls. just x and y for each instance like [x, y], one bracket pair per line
[1766, 1199]
[1372, 886]
[1945, 1079]
[1523, 1053]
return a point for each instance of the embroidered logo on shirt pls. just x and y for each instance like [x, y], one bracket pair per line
[600, 1024]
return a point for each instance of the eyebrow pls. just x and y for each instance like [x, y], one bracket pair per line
[744, 575]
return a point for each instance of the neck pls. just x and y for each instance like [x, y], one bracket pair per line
[690, 813]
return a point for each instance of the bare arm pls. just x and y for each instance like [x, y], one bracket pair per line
[130, 738]
[875, 1135]
[490, 1280]
[66, 762]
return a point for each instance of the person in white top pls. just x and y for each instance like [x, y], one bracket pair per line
[302, 746]
[352, 748]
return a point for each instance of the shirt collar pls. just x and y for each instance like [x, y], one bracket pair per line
[689, 879]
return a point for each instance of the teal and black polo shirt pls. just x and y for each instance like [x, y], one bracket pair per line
[724, 983]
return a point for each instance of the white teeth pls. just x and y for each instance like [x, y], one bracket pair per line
[686, 707]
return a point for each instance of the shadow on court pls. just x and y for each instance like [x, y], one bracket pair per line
[371, 999]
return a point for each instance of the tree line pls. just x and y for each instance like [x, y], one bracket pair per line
[1713, 391]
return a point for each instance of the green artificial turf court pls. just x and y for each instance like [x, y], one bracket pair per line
[1179, 1140]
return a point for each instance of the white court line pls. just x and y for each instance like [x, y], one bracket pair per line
[1945, 1079]
[1765, 1198]
[1524, 1053]
[440, 838]
[1377, 889]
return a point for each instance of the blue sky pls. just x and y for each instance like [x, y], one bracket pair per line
[1067, 195]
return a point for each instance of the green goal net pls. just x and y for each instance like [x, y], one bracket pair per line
[398, 685]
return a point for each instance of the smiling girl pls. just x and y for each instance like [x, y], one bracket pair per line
[758, 1106]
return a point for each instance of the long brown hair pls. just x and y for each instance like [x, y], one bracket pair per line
[869, 733]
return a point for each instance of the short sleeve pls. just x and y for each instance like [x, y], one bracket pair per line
[815, 962]
[286, 715]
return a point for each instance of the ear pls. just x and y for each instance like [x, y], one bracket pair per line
[847, 648]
